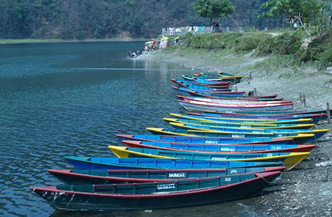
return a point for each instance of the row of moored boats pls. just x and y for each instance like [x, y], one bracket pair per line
[226, 146]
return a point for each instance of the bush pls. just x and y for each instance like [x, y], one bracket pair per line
[317, 47]
[265, 46]
[325, 58]
[287, 43]
[246, 43]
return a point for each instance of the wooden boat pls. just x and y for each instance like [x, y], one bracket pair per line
[208, 148]
[217, 77]
[205, 140]
[231, 101]
[187, 84]
[290, 160]
[222, 120]
[200, 88]
[100, 163]
[75, 176]
[318, 133]
[198, 80]
[212, 84]
[199, 106]
[298, 138]
[234, 79]
[240, 125]
[242, 98]
[316, 117]
[210, 95]
[291, 112]
[223, 93]
[146, 196]
[219, 73]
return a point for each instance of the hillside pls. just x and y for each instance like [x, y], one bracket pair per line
[82, 19]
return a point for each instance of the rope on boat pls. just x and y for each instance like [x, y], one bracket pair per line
[278, 178]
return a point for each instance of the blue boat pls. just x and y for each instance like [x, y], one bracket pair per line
[258, 148]
[315, 117]
[229, 94]
[88, 163]
[318, 133]
[186, 84]
[204, 140]
[241, 125]
[183, 117]
[298, 138]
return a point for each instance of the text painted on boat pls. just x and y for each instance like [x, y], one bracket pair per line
[227, 149]
[166, 186]
[177, 175]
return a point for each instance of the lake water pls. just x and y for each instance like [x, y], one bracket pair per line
[72, 99]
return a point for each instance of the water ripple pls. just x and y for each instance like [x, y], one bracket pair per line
[48, 111]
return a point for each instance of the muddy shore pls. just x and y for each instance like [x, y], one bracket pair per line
[307, 189]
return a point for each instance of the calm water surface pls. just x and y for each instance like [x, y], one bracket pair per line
[71, 99]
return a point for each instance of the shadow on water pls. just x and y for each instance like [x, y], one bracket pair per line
[229, 209]
[239, 208]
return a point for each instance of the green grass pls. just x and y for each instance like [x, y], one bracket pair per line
[286, 46]
[28, 40]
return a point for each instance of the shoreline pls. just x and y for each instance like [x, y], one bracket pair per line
[307, 189]
[44, 41]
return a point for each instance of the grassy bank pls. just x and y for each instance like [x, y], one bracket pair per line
[292, 48]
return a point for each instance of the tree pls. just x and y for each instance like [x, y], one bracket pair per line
[213, 9]
[302, 12]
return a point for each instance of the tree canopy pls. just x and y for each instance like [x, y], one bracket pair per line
[302, 12]
[79, 19]
[213, 9]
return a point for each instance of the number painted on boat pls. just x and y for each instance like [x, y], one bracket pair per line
[233, 171]
[177, 175]
[276, 147]
[237, 136]
[166, 186]
[218, 158]
[227, 149]
[211, 142]
[228, 179]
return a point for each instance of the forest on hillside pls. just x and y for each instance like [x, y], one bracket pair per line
[81, 19]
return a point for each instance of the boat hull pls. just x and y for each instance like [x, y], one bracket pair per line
[90, 163]
[140, 176]
[205, 140]
[82, 201]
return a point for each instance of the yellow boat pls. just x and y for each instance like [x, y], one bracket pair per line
[290, 160]
[317, 132]
[242, 124]
[242, 120]
[298, 138]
